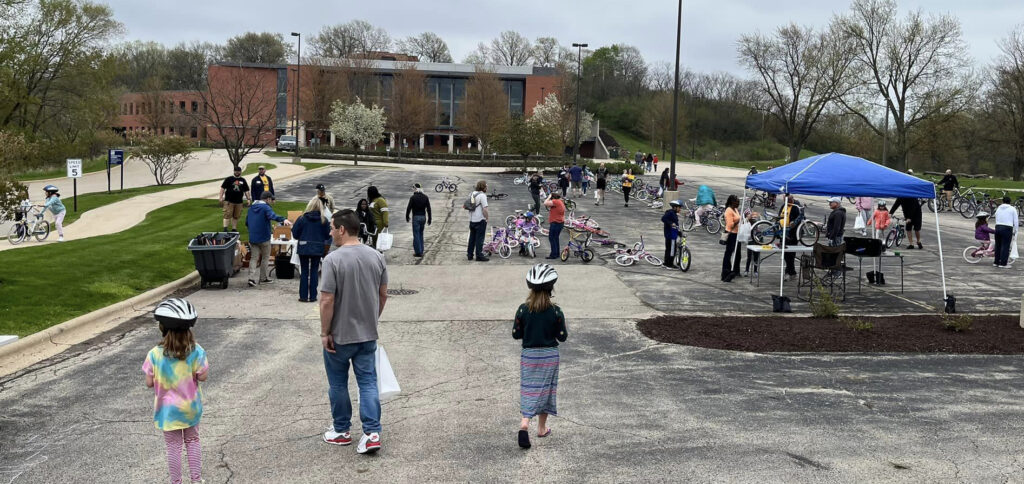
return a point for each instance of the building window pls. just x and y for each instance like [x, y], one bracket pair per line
[163, 130]
[171, 129]
[458, 97]
[182, 106]
[195, 107]
[194, 133]
[514, 91]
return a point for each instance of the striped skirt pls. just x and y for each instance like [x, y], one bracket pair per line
[538, 388]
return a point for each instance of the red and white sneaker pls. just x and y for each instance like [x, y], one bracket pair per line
[337, 438]
[368, 443]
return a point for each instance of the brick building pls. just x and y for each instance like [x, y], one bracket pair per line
[256, 101]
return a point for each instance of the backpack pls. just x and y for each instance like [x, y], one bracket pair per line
[470, 203]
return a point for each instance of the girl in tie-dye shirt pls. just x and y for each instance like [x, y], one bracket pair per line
[174, 369]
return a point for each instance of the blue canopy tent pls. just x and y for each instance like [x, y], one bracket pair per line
[836, 174]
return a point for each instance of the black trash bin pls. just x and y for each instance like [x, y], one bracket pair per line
[214, 253]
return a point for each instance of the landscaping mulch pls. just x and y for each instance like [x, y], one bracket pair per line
[996, 335]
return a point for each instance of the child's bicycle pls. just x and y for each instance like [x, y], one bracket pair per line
[683, 256]
[519, 180]
[446, 184]
[578, 248]
[24, 229]
[499, 244]
[494, 195]
[974, 254]
[897, 234]
[628, 257]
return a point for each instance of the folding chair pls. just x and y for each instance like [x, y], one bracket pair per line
[826, 267]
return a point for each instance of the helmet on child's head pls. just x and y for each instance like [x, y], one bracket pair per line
[176, 314]
[528, 214]
[981, 215]
[51, 189]
[675, 203]
[541, 277]
[881, 203]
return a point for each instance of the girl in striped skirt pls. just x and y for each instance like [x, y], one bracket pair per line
[541, 325]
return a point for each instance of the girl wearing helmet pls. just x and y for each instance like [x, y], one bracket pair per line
[54, 205]
[541, 326]
[173, 370]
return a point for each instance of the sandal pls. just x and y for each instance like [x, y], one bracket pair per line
[524, 439]
[545, 433]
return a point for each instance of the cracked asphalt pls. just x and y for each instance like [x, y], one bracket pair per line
[630, 409]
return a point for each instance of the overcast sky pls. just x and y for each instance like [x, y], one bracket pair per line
[710, 27]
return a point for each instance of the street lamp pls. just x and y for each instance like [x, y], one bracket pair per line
[298, 72]
[675, 96]
[579, 80]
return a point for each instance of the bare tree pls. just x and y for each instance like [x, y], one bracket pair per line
[428, 46]
[801, 73]
[510, 48]
[919, 67]
[241, 107]
[485, 110]
[354, 37]
[547, 52]
[165, 156]
[478, 56]
[324, 82]
[409, 112]
[1006, 96]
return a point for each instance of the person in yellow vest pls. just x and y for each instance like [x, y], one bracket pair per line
[627, 184]
[261, 183]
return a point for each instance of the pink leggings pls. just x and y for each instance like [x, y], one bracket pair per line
[174, 440]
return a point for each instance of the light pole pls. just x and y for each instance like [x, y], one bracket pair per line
[579, 80]
[298, 72]
[675, 96]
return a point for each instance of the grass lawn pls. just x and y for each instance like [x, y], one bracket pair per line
[46, 285]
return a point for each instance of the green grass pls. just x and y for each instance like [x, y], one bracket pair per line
[90, 165]
[311, 166]
[279, 154]
[49, 284]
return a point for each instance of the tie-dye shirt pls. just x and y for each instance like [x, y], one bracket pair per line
[179, 400]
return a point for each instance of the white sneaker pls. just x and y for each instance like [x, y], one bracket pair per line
[368, 443]
[337, 438]
[60, 239]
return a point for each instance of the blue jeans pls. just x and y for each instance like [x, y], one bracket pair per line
[554, 230]
[365, 368]
[477, 233]
[418, 222]
[309, 275]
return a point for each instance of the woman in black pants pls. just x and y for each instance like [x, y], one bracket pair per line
[731, 267]
[627, 185]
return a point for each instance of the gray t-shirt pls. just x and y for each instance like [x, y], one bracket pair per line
[354, 274]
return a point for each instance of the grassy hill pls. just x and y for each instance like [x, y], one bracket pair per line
[740, 155]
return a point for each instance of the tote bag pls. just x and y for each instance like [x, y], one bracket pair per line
[858, 224]
[387, 384]
[384, 240]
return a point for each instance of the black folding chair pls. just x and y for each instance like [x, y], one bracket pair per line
[826, 267]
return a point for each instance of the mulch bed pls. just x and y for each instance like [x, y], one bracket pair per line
[995, 335]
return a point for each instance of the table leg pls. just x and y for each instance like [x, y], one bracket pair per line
[860, 273]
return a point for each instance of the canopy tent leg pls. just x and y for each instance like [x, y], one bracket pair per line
[942, 264]
[785, 229]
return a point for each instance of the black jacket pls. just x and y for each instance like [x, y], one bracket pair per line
[911, 208]
[258, 188]
[367, 219]
[949, 182]
[539, 330]
[836, 223]
[419, 204]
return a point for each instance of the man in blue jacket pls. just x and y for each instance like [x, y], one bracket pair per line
[258, 221]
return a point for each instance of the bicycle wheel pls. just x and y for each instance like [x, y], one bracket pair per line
[452, 187]
[42, 230]
[760, 231]
[587, 255]
[564, 255]
[713, 225]
[901, 234]
[890, 240]
[683, 258]
[653, 259]
[511, 219]
[808, 233]
[17, 234]
[570, 205]
[688, 221]
[624, 260]
[931, 204]
[974, 254]
[531, 250]
[967, 209]
[643, 195]
[504, 251]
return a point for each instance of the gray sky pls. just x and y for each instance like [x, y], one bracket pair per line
[710, 27]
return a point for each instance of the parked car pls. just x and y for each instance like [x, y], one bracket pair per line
[286, 143]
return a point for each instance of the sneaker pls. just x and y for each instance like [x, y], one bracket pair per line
[911, 246]
[368, 443]
[252, 283]
[60, 239]
[746, 274]
[266, 281]
[483, 259]
[338, 438]
[919, 246]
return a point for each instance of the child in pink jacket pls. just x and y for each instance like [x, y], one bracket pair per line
[880, 220]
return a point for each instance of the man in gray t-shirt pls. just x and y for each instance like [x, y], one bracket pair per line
[353, 290]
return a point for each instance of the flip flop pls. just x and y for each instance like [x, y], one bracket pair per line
[545, 433]
[524, 439]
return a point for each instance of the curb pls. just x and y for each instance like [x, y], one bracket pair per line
[44, 344]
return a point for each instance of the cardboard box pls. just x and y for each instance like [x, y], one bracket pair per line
[282, 230]
[294, 215]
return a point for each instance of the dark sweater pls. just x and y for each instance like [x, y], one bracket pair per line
[419, 204]
[835, 223]
[539, 330]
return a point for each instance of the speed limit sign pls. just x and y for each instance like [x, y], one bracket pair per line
[74, 168]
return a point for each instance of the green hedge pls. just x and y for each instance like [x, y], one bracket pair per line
[515, 162]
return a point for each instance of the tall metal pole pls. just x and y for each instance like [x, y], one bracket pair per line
[298, 91]
[885, 138]
[579, 81]
[675, 95]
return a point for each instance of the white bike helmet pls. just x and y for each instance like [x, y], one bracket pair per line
[541, 277]
[676, 203]
[176, 314]
[50, 189]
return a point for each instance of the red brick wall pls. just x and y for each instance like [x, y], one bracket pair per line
[536, 88]
[158, 112]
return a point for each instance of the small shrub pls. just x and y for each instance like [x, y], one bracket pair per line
[823, 305]
[858, 324]
[958, 322]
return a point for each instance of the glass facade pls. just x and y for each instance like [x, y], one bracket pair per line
[514, 91]
[447, 95]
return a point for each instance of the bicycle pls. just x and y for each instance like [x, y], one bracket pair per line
[974, 254]
[766, 232]
[519, 180]
[628, 257]
[499, 243]
[521, 214]
[646, 193]
[494, 195]
[446, 184]
[578, 249]
[897, 234]
[709, 219]
[23, 229]
[683, 256]
[524, 238]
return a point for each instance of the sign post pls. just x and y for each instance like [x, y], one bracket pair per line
[75, 172]
[115, 157]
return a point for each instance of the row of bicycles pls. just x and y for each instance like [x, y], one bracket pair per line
[969, 203]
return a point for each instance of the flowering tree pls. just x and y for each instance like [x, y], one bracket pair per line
[165, 156]
[356, 124]
[562, 118]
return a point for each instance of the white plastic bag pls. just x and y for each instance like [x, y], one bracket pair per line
[1013, 248]
[859, 223]
[743, 234]
[387, 384]
[384, 240]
